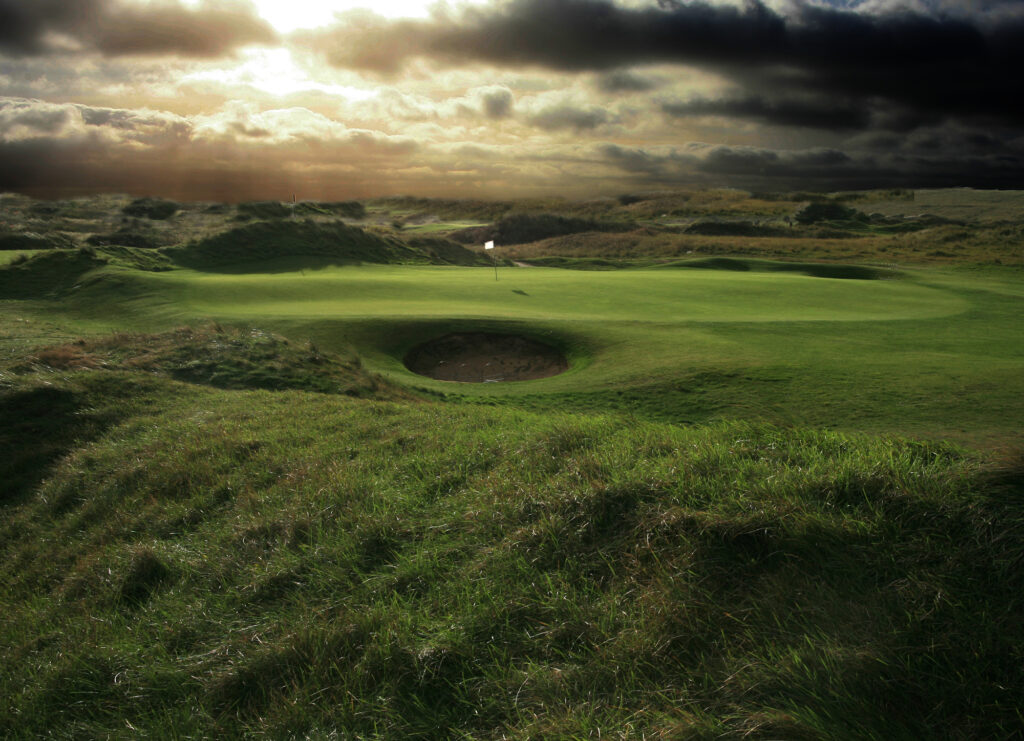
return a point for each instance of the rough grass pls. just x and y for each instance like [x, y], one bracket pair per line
[945, 244]
[291, 564]
[23, 241]
[224, 357]
[346, 209]
[316, 243]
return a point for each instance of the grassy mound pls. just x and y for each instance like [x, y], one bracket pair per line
[221, 357]
[47, 274]
[442, 251]
[263, 210]
[325, 242]
[33, 241]
[292, 564]
[56, 273]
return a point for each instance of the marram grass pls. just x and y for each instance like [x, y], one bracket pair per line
[216, 564]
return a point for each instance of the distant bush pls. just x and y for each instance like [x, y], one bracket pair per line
[812, 213]
[628, 199]
[151, 208]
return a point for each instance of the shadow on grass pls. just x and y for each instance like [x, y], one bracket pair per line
[37, 427]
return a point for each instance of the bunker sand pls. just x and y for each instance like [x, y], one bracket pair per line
[479, 357]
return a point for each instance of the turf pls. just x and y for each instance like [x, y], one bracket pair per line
[936, 353]
[768, 499]
[236, 563]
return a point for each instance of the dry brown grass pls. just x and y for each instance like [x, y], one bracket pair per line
[72, 356]
[939, 245]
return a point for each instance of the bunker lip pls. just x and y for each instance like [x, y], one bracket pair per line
[484, 357]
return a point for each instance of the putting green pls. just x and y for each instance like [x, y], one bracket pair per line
[544, 294]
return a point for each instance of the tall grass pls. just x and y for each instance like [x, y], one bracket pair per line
[239, 563]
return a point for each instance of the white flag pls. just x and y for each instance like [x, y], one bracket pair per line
[488, 245]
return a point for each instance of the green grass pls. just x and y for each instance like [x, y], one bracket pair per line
[938, 353]
[227, 510]
[9, 256]
[290, 564]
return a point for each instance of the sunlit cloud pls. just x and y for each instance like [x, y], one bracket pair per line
[241, 98]
[273, 71]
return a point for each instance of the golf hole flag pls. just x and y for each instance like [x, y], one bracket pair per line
[488, 245]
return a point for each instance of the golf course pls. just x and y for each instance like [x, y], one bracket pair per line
[765, 480]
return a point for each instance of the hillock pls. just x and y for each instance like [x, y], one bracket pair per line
[34, 241]
[313, 243]
[223, 357]
[47, 274]
[262, 210]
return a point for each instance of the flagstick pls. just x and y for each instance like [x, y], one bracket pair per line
[490, 246]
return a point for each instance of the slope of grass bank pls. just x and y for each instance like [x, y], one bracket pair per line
[220, 563]
[229, 358]
[298, 243]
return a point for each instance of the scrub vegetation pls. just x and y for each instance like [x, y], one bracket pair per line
[775, 495]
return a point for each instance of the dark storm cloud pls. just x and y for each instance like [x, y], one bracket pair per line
[115, 27]
[962, 64]
[816, 114]
[640, 161]
[893, 162]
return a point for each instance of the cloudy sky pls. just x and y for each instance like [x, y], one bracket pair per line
[245, 99]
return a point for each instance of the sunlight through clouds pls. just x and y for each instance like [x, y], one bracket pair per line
[288, 15]
[606, 96]
[274, 71]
